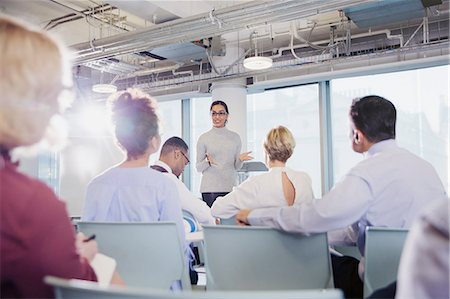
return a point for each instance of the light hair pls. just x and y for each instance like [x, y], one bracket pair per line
[279, 144]
[34, 67]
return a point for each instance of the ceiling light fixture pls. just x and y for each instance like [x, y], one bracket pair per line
[104, 88]
[258, 63]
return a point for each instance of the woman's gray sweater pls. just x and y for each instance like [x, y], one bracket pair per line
[224, 148]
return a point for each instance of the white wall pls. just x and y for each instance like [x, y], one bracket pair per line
[82, 160]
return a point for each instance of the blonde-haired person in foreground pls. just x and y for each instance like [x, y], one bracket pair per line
[37, 238]
[280, 186]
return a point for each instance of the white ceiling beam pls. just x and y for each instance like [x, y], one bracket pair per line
[205, 25]
[184, 8]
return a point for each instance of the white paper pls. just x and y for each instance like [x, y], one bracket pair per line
[104, 267]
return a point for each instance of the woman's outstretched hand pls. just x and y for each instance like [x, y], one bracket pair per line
[245, 156]
[210, 160]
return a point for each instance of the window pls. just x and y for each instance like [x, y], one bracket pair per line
[170, 123]
[423, 116]
[92, 148]
[200, 123]
[296, 108]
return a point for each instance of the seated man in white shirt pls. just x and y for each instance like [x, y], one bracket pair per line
[172, 160]
[389, 188]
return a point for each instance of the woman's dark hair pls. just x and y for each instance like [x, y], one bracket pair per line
[375, 117]
[222, 103]
[134, 115]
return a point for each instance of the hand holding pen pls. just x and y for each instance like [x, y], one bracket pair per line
[86, 247]
[92, 237]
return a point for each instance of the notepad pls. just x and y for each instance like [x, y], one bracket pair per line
[104, 267]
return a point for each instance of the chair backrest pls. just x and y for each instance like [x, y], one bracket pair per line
[261, 258]
[190, 223]
[148, 254]
[228, 221]
[78, 289]
[349, 251]
[383, 249]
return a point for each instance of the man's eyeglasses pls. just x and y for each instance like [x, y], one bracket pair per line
[221, 113]
[184, 155]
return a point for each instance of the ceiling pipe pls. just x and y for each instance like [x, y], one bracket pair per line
[293, 64]
[234, 18]
[77, 15]
[359, 35]
[326, 73]
[190, 73]
[155, 70]
[82, 14]
[224, 72]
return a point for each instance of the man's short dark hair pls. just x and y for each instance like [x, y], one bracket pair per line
[375, 117]
[174, 143]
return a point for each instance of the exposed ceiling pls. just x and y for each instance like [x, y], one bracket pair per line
[179, 46]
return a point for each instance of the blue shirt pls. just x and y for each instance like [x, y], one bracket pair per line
[133, 195]
[138, 194]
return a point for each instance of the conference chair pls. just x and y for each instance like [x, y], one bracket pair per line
[197, 246]
[262, 258]
[190, 222]
[228, 221]
[383, 249]
[78, 289]
[81, 289]
[148, 254]
[348, 251]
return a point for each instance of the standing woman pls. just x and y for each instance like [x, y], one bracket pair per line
[219, 156]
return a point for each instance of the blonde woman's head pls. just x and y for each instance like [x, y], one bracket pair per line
[33, 71]
[279, 144]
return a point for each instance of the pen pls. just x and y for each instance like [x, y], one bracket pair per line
[89, 239]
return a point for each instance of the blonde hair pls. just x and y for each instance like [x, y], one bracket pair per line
[33, 70]
[279, 144]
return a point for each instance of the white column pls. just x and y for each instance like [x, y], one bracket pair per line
[234, 93]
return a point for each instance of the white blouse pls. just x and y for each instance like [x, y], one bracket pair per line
[263, 191]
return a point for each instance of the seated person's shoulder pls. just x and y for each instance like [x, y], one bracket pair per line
[437, 215]
[303, 175]
[164, 181]
[24, 190]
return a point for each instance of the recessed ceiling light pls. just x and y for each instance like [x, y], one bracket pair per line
[257, 63]
[104, 88]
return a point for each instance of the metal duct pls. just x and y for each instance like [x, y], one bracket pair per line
[385, 12]
[245, 16]
[438, 54]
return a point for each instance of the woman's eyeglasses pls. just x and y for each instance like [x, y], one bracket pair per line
[221, 113]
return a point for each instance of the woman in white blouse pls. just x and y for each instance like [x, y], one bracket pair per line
[280, 186]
